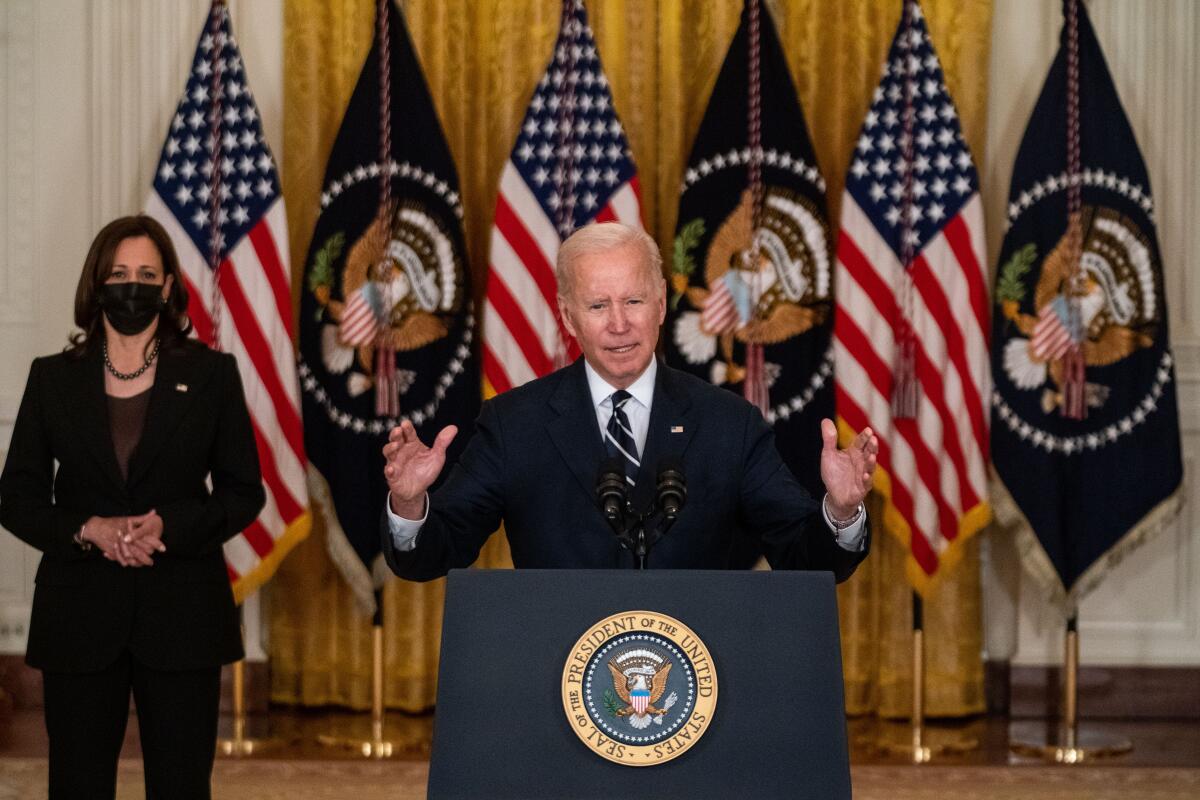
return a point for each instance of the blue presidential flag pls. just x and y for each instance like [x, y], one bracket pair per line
[386, 327]
[1085, 426]
[751, 269]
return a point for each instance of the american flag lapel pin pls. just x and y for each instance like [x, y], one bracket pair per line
[676, 429]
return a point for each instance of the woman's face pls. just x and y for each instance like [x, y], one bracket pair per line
[137, 260]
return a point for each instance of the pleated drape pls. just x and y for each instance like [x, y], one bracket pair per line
[482, 59]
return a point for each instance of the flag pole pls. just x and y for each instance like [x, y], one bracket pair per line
[376, 746]
[387, 398]
[919, 752]
[240, 745]
[904, 381]
[904, 405]
[754, 384]
[1067, 745]
[919, 744]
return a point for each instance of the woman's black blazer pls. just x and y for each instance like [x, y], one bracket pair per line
[178, 613]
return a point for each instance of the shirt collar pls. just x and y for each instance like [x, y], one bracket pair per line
[642, 389]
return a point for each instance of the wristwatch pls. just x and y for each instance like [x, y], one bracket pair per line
[80, 542]
[842, 524]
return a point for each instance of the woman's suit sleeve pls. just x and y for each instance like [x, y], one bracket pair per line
[198, 526]
[27, 507]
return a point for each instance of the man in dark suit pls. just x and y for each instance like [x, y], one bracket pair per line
[536, 452]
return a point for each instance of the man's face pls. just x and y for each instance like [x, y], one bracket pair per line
[614, 311]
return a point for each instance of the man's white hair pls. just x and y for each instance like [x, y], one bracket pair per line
[603, 237]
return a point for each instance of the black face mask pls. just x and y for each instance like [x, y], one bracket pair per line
[131, 307]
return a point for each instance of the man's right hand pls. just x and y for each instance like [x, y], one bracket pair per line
[410, 467]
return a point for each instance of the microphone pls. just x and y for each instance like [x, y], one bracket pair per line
[670, 491]
[612, 492]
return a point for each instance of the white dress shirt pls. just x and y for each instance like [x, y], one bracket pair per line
[636, 409]
[404, 531]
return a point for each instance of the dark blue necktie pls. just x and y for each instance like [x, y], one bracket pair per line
[618, 436]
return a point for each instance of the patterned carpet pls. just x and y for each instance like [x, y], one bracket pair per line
[261, 779]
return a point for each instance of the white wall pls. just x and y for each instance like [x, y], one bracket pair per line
[87, 90]
[1148, 610]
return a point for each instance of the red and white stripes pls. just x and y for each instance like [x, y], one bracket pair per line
[523, 336]
[935, 463]
[255, 320]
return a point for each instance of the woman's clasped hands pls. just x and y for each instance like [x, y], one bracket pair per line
[130, 541]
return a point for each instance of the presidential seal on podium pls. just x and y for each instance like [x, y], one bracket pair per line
[639, 688]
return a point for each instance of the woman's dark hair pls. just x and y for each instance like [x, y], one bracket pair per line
[173, 323]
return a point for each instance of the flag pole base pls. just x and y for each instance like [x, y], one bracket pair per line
[916, 743]
[380, 745]
[240, 745]
[376, 746]
[1068, 745]
[919, 745]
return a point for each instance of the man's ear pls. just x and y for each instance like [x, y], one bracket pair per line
[564, 311]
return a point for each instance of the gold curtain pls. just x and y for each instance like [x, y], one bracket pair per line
[482, 59]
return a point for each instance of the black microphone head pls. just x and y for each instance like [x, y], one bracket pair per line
[671, 486]
[612, 491]
[612, 470]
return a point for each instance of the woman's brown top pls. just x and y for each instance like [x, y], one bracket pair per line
[126, 419]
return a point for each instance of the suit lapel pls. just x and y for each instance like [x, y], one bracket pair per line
[574, 430]
[176, 384]
[87, 405]
[670, 431]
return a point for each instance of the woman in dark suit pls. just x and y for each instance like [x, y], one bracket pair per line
[132, 591]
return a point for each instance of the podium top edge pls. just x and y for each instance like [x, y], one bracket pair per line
[718, 575]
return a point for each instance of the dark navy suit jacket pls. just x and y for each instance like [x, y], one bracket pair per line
[533, 464]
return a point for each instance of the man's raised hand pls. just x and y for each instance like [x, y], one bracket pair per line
[410, 467]
[847, 473]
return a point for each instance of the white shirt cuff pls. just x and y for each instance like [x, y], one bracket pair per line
[404, 531]
[849, 538]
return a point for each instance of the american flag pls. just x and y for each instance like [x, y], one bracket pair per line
[215, 159]
[720, 314]
[571, 165]
[360, 322]
[1051, 336]
[934, 465]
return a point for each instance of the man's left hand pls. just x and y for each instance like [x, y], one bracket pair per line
[847, 473]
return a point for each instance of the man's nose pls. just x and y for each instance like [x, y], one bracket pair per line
[618, 320]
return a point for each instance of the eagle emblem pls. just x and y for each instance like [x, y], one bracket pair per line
[401, 288]
[639, 688]
[1113, 312]
[639, 680]
[761, 286]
